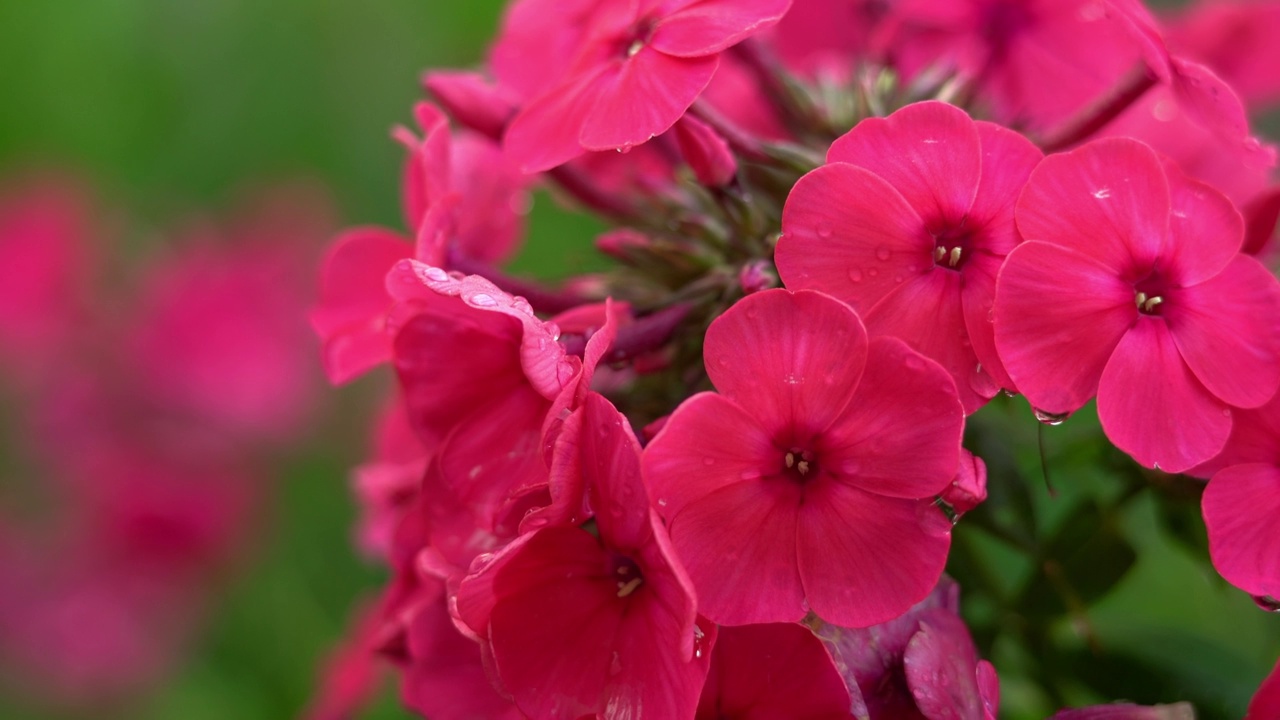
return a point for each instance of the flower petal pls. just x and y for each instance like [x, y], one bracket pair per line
[1153, 408]
[711, 26]
[1241, 505]
[941, 665]
[707, 443]
[646, 96]
[865, 558]
[928, 314]
[850, 234]
[1228, 331]
[789, 359]
[901, 434]
[1205, 230]
[738, 545]
[1108, 199]
[977, 300]
[547, 131]
[1007, 161]
[929, 151]
[1059, 314]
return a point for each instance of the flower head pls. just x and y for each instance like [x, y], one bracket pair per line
[1130, 285]
[807, 482]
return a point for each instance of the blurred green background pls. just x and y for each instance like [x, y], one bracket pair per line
[172, 105]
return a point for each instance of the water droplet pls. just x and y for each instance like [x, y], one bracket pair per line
[1226, 412]
[1049, 418]
[873, 272]
[897, 278]
[855, 275]
[708, 461]
[1009, 393]
[824, 231]
[882, 253]
[750, 475]
[1266, 602]
[436, 274]
[662, 502]
[483, 300]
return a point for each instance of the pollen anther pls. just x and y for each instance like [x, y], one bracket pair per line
[955, 256]
[628, 587]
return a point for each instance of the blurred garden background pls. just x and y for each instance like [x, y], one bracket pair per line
[173, 108]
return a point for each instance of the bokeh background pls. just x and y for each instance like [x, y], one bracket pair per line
[168, 107]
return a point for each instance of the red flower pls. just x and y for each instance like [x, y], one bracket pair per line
[808, 481]
[1033, 61]
[1242, 502]
[612, 74]
[1131, 286]
[460, 198]
[772, 671]
[909, 222]
[580, 624]
[921, 665]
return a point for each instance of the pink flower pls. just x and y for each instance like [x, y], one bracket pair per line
[612, 74]
[919, 666]
[909, 222]
[461, 201]
[1242, 501]
[807, 482]
[1239, 39]
[772, 671]
[46, 266]
[445, 677]
[479, 372]
[1034, 62]
[387, 484]
[580, 624]
[1131, 286]
[219, 331]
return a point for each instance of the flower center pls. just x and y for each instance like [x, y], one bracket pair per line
[1148, 294]
[639, 36]
[626, 573]
[1147, 304]
[951, 248]
[799, 465]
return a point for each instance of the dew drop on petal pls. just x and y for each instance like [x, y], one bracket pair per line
[483, 300]
[882, 253]
[1266, 602]
[1049, 418]
[708, 461]
[436, 274]
[873, 272]
[750, 475]
[855, 275]
[824, 231]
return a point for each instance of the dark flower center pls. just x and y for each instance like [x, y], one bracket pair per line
[799, 465]
[952, 248]
[626, 573]
[1149, 294]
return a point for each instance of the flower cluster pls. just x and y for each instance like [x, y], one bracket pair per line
[720, 480]
[137, 421]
